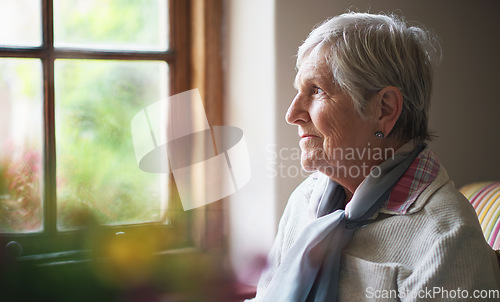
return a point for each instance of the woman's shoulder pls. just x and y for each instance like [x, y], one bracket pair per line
[450, 210]
[444, 208]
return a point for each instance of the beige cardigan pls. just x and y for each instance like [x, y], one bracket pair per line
[436, 251]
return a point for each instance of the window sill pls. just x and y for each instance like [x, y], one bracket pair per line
[184, 274]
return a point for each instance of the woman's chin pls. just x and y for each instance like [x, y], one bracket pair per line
[312, 159]
[308, 165]
[309, 169]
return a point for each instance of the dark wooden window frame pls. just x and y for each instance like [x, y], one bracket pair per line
[194, 60]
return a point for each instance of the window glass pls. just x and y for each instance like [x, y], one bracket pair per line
[98, 178]
[111, 24]
[21, 126]
[21, 23]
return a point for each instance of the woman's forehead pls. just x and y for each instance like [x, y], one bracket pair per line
[313, 72]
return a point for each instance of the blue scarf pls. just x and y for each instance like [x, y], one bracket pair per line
[310, 269]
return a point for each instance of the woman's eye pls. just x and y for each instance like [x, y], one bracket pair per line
[318, 90]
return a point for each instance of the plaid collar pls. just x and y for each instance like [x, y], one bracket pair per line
[423, 170]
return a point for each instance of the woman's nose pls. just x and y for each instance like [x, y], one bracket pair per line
[297, 112]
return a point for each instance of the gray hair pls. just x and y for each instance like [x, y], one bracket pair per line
[367, 52]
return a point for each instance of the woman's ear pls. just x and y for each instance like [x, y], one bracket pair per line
[389, 104]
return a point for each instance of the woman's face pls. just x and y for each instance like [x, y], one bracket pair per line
[335, 139]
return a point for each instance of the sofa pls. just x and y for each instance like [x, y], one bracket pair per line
[485, 198]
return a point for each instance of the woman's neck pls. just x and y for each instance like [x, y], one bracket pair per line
[350, 183]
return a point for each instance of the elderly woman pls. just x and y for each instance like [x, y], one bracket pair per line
[380, 218]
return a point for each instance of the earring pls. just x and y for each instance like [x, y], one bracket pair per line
[379, 134]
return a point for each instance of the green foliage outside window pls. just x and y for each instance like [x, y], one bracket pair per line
[97, 169]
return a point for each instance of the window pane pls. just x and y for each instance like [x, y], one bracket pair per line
[21, 124]
[20, 23]
[111, 24]
[98, 178]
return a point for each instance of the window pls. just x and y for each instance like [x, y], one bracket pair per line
[73, 73]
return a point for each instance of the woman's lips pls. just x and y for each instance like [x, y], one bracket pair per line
[305, 139]
[309, 136]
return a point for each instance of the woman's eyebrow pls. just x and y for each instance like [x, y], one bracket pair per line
[303, 79]
[298, 80]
